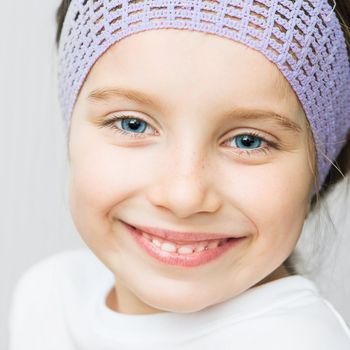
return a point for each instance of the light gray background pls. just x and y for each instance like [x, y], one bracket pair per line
[35, 220]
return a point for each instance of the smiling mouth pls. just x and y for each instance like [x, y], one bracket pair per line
[181, 237]
[185, 254]
[184, 247]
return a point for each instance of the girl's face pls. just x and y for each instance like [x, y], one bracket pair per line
[188, 164]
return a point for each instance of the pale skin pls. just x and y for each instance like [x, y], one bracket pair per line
[186, 173]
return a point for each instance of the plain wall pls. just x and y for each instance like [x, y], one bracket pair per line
[35, 219]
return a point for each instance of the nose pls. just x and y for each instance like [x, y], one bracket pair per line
[185, 185]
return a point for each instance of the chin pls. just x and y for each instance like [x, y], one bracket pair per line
[177, 300]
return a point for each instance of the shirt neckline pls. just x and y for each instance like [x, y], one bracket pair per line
[160, 326]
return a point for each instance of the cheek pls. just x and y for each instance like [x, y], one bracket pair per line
[101, 177]
[274, 196]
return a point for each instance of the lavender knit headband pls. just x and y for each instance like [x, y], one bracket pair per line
[302, 37]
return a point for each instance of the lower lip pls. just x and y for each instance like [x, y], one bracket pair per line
[188, 260]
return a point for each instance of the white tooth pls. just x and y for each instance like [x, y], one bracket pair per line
[185, 250]
[213, 244]
[144, 234]
[156, 242]
[199, 249]
[201, 246]
[168, 247]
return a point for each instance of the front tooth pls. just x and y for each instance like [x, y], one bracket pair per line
[185, 250]
[156, 242]
[214, 244]
[168, 247]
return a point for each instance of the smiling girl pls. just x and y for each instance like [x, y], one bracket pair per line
[196, 154]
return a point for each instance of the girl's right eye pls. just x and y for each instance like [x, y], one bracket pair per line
[126, 125]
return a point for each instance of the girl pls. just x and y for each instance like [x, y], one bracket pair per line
[195, 154]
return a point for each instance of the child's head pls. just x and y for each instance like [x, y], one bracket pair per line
[211, 138]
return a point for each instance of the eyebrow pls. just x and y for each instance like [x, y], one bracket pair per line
[105, 94]
[259, 114]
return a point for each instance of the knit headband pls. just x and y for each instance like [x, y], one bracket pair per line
[302, 37]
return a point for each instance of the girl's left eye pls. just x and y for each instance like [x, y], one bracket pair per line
[251, 143]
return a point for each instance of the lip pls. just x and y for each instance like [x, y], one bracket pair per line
[184, 260]
[181, 237]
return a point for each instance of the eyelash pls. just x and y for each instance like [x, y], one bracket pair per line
[110, 123]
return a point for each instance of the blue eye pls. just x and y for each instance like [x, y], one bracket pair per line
[248, 141]
[134, 125]
[128, 126]
[252, 144]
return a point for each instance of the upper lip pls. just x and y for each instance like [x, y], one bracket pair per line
[182, 236]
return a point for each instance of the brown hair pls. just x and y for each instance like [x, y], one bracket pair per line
[340, 167]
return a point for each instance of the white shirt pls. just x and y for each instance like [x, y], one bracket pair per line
[59, 304]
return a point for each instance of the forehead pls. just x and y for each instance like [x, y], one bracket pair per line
[194, 64]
